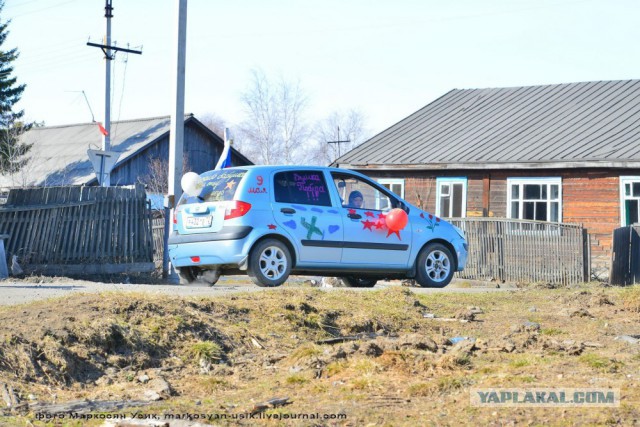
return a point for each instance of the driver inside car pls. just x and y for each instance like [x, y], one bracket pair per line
[355, 200]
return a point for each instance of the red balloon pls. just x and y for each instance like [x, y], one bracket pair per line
[396, 219]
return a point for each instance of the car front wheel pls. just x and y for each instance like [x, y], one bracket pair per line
[269, 263]
[435, 266]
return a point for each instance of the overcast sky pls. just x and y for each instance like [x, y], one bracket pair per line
[385, 58]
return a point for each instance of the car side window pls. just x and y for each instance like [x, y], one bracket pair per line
[301, 187]
[357, 194]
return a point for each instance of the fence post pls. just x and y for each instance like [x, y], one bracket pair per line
[586, 255]
[4, 271]
[620, 256]
[165, 243]
[634, 258]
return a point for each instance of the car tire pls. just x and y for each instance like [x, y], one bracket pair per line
[186, 275]
[193, 276]
[208, 277]
[435, 266]
[358, 282]
[269, 263]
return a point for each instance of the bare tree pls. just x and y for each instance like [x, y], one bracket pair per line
[215, 123]
[346, 126]
[274, 128]
[156, 181]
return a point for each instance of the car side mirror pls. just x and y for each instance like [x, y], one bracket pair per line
[403, 206]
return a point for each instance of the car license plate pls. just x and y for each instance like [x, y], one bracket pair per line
[199, 221]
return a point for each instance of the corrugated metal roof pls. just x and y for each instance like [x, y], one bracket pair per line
[582, 124]
[59, 153]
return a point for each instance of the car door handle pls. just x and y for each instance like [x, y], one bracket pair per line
[288, 211]
[354, 216]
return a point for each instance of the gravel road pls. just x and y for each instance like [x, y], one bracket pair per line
[24, 291]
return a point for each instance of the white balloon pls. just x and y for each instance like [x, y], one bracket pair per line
[191, 183]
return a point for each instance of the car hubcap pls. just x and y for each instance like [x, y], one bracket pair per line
[438, 266]
[273, 263]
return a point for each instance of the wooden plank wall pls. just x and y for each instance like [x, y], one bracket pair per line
[67, 226]
[201, 154]
[523, 251]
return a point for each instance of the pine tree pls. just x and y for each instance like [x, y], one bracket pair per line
[12, 152]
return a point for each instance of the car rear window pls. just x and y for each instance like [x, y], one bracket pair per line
[219, 185]
[301, 187]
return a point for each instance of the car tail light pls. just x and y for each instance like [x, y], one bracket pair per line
[175, 216]
[236, 209]
[195, 259]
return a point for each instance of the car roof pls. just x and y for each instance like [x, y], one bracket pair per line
[270, 168]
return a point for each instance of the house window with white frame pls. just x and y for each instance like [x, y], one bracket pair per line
[537, 199]
[629, 200]
[451, 197]
[395, 185]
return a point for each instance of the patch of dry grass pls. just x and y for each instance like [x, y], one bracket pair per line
[631, 298]
[205, 351]
[258, 346]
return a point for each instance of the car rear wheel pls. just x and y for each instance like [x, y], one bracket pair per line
[358, 282]
[435, 266]
[269, 263]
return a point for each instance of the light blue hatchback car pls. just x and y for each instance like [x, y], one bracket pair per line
[272, 221]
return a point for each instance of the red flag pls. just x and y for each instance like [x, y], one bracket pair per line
[102, 129]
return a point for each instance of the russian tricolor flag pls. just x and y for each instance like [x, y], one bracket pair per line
[225, 157]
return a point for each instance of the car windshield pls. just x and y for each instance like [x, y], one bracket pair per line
[219, 185]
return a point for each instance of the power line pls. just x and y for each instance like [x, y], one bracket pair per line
[124, 78]
[42, 9]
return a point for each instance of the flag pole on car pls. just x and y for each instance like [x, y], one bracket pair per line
[225, 157]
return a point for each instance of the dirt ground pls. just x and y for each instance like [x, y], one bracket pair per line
[383, 358]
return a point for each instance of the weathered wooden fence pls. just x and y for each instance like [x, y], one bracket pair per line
[525, 251]
[79, 230]
[625, 257]
[158, 240]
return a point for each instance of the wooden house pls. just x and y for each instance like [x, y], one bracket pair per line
[59, 153]
[559, 153]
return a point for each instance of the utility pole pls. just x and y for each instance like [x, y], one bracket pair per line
[176, 132]
[105, 175]
[338, 142]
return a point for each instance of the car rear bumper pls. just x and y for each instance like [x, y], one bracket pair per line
[226, 233]
[193, 253]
